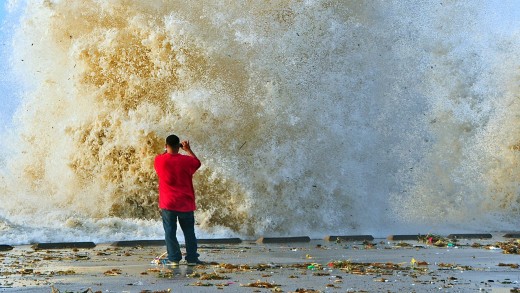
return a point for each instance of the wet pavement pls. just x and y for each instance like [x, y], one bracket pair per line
[489, 265]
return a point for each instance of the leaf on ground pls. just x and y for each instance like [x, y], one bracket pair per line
[260, 284]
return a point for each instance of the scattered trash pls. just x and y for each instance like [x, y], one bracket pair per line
[302, 290]
[113, 272]
[373, 268]
[412, 262]
[154, 270]
[63, 273]
[510, 247]
[368, 245]
[436, 240]
[208, 276]
[260, 284]
[313, 266]
[448, 266]
[224, 284]
[201, 284]
[491, 247]
[166, 274]
[159, 259]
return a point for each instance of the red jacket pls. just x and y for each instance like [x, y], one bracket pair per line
[175, 172]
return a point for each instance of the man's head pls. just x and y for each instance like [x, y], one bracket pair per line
[173, 141]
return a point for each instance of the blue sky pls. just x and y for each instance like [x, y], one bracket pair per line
[9, 91]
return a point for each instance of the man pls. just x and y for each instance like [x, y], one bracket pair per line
[177, 198]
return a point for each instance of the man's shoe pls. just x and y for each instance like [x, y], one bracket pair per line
[171, 263]
[196, 263]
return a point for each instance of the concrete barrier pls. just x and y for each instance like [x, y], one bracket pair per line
[134, 243]
[63, 245]
[349, 238]
[220, 241]
[266, 240]
[470, 236]
[403, 237]
[6, 247]
[261, 240]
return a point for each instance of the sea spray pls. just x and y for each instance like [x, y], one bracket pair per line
[309, 117]
[469, 178]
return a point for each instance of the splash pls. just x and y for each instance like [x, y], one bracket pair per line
[309, 116]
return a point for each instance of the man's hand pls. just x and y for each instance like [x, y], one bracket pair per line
[185, 145]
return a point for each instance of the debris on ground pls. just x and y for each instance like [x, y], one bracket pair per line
[113, 272]
[511, 265]
[510, 247]
[260, 284]
[208, 276]
[437, 240]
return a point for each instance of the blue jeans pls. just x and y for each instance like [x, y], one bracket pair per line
[187, 223]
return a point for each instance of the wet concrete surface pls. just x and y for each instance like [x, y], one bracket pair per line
[317, 266]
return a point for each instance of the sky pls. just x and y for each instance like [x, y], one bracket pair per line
[9, 91]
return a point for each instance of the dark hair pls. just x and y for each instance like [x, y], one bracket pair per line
[173, 141]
